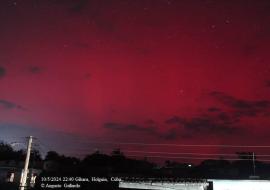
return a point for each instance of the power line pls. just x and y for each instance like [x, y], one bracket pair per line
[186, 153]
[180, 145]
[83, 149]
[183, 157]
[170, 153]
[194, 158]
[87, 141]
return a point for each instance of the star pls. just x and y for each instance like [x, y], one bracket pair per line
[213, 26]
[227, 21]
[14, 3]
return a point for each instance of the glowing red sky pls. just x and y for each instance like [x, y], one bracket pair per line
[135, 71]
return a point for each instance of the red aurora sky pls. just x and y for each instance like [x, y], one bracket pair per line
[74, 72]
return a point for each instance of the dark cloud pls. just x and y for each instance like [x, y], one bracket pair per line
[61, 1]
[153, 131]
[208, 125]
[2, 72]
[10, 105]
[87, 76]
[171, 134]
[35, 69]
[112, 125]
[74, 6]
[227, 118]
[220, 124]
[216, 121]
[78, 6]
[134, 127]
[214, 109]
[174, 120]
[150, 122]
[267, 83]
[243, 107]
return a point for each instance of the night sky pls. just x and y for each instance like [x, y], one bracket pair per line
[75, 73]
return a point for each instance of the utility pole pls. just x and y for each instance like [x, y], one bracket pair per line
[254, 166]
[25, 170]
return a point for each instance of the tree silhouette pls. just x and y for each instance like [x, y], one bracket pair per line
[7, 153]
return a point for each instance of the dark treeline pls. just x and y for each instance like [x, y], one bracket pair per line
[99, 164]
[117, 164]
[8, 153]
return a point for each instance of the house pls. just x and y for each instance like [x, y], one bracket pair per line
[11, 171]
